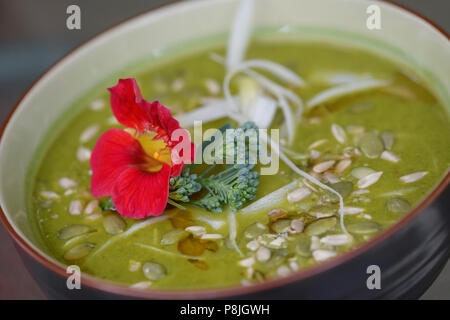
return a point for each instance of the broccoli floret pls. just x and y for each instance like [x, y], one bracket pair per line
[183, 186]
[234, 186]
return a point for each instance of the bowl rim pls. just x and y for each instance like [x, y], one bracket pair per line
[110, 287]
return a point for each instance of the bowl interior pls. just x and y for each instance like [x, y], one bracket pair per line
[176, 29]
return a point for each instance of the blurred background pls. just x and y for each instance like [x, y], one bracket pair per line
[33, 36]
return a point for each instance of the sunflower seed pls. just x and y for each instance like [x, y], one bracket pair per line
[134, 266]
[322, 255]
[197, 231]
[389, 156]
[79, 251]
[263, 254]
[398, 205]
[342, 165]
[283, 271]
[72, 231]
[253, 245]
[91, 207]
[323, 166]
[369, 180]
[298, 195]
[297, 226]
[371, 145]
[359, 192]
[178, 84]
[83, 154]
[114, 224]
[388, 139]
[352, 210]
[413, 177]
[247, 262]
[97, 105]
[362, 172]
[93, 217]
[153, 271]
[294, 266]
[49, 195]
[336, 239]
[89, 133]
[67, 183]
[213, 86]
[143, 285]
[331, 177]
[315, 154]
[338, 133]
[317, 143]
[75, 207]
[211, 236]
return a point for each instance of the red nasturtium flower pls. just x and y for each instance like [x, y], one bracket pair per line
[134, 165]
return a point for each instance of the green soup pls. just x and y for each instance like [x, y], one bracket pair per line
[394, 151]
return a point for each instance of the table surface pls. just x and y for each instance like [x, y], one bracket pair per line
[33, 36]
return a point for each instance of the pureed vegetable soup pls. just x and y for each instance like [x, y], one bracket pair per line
[382, 148]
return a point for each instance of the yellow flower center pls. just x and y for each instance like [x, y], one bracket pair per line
[156, 150]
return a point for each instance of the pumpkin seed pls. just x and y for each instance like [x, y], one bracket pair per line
[388, 139]
[344, 188]
[371, 145]
[255, 230]
[364, 227]
[72, 231]
[398, 205]
[361, 172]
[281, 225]
[302, 248]
[114, 224]
[320, 226]
[173, 236]
[79, 251]
[153, 271]
[191, 246]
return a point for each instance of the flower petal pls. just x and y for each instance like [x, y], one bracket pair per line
[127, 105]
[139, 194]
[114, 151]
